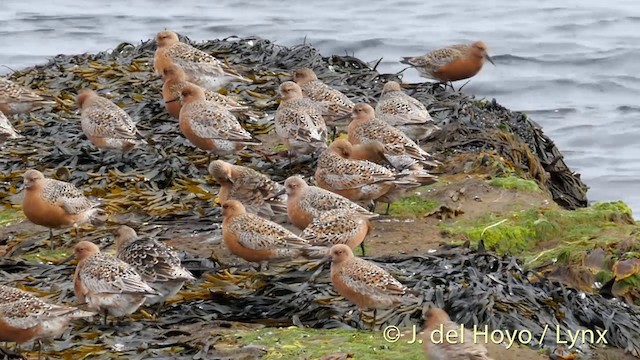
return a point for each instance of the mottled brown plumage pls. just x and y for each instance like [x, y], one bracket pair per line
[257, 192]
[305, 203]
[337, 226]
[405, 113]
[54, 204]
[25, 317]
[105, 124]
[336, 103]
[200, 67]
[362, 282]
[209, 126]
[299, 121]
[175, 79]
[107, 285]
[15, 99]
[400, 150]
[257, 239]
[456, 62]
[437, 347]
[158, 265]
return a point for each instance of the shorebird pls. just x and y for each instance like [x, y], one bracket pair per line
[15, 99]
[25, 317]
[257, 192]
[364, 283]
[438, 347]
[338, 105]
[200, 67]
[400, 150]
[175, 79]
[105, 124]
[210, 126]
[54, 204]
[338, 226]
[373, 151]
[405, 113]
[6, 129]
[456, 62]
[107, 285]
[299, 122]
[361, 181]
[256, 239]
[305, 203]
[158, 265]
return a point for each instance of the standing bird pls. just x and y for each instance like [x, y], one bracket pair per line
[158, 265]
[107, 285]
[210, 126]
[400, 150]
[338, 226]
[105, 124]
[25, 317]
[438, 347]
[15, 99]
[405, 113]
[200, 67]
[373, 151]
[338, 105]
[257, 192]
[364, 283]
[6, 129]
[306, 203]
[256, 239]
[357, 180]
[299, 122]
[175, 79]
[53, 203]
[453, 63]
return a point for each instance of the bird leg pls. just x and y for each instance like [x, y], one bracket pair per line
[362, 247]
[159, 308]
[463, 85]
[388, 206]
[51, 243]
[105, 318]
[264, 266]
[39, 342]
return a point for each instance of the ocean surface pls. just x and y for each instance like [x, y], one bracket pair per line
[571, 65]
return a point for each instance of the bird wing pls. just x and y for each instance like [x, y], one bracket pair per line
[368, 277]
[66, 195]
[154, 261]
[212, 121]
[257, 233]
[105, 119]
[102, 273]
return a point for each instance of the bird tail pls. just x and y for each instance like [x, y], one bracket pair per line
[315, 252]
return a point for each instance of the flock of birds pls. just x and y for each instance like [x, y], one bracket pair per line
[379, 161]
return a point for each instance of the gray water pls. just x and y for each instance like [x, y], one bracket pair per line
[572, 65]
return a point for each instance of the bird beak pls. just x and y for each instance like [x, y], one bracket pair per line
[489, 59]
[172, 100]
[66, 260]
[278, 193]
[20, 188]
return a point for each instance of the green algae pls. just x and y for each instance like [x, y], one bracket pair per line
[414, 205]
[515, 183]
[304, 343]
[10, 216]
[562, 232]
